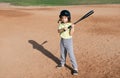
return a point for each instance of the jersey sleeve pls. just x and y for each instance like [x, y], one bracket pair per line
[59, 27]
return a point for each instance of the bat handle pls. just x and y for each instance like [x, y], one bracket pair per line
[70, 27]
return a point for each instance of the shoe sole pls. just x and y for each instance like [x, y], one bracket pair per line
[59, 67]
[75, 73]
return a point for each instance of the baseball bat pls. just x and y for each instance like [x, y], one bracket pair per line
[85, 16]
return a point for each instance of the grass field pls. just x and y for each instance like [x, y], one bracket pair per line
[60, 2]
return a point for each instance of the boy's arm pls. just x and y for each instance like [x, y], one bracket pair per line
[72, 29]
[62, 30]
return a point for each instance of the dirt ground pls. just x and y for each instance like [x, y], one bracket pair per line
[29, 42]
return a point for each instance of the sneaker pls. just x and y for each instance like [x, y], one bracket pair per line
[60, 66]
[75, 72]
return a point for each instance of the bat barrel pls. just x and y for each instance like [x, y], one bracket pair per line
[85, 16]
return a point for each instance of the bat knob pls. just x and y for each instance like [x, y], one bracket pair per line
[69, 27]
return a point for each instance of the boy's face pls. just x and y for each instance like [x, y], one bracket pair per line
[64, 19]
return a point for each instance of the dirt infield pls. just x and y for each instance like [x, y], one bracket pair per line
[29, 42]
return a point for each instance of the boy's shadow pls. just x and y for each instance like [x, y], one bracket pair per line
[44, 51]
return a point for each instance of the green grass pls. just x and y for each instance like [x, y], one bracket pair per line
[60, 2]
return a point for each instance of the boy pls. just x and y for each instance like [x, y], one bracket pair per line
[66, 44]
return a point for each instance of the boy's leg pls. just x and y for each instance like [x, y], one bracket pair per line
[70, 51]
[63, 53]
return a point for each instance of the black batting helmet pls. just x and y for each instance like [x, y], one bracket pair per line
[65, 13]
